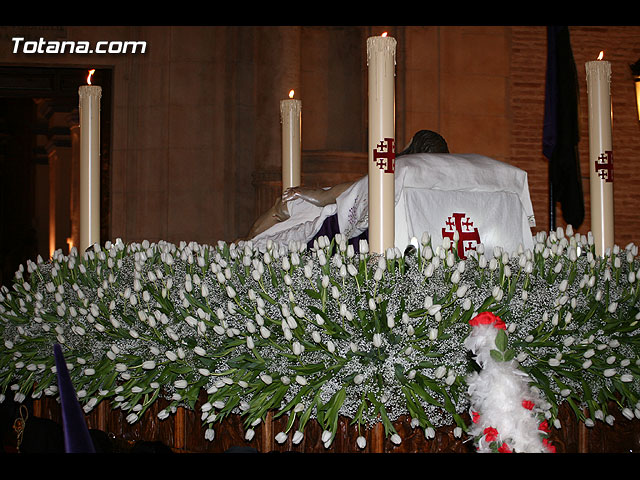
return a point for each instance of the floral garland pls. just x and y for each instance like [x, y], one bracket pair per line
[513, 413]
[323, 332]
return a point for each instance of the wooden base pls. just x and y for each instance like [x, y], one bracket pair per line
[182, 432]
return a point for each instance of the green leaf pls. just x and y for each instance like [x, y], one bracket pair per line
[501, 340]
[496, 355]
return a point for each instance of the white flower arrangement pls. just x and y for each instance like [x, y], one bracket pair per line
[323, 332]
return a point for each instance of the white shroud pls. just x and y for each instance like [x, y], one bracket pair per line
[482, 198]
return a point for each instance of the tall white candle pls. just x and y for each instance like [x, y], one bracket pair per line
[89, 164]
[600, 153]
[381, 61]
[291, 119]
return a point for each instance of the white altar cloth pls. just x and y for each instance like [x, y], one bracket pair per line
[487, 201]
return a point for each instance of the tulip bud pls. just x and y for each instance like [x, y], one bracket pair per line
[391, 321]
[149, 365]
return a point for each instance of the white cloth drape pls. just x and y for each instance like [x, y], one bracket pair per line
[434, 193]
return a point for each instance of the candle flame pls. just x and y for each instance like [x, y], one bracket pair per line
[601, 55]
[384, 34]
[91, 72]
[291, 94]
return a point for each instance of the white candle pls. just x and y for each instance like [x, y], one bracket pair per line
[381, 61]
[600, 153]
[291, 120]
[89, 163]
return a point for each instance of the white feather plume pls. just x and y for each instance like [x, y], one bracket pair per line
[497, 394]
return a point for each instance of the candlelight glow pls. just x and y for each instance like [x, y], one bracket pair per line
[291, 94]
[601, 55]
[91, 72]
[384, 34]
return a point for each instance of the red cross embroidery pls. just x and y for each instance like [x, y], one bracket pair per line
[384, 156]
[604, 166]
[468, 236]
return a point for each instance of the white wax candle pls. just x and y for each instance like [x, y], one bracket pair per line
[600, 154]
[381, 61]
[89, 164]
[291, 119]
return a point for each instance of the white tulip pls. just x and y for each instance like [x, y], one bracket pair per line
[297, 437]
[361, 442]
[148, 365]
[466, 305]
[395, 438]
[391, 321]
[433, 333]
[377, 276]
[281, 437]
[377, 340]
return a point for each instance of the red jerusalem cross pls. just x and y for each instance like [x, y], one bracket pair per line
[604, 166]
[384, 156]
[467, 235]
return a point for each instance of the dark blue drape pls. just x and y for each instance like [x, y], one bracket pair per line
[76, 434]
[561, 128]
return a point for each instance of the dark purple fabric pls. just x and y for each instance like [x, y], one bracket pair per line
[550, 126]
[74, 426]
[330, 228]
[561, 126]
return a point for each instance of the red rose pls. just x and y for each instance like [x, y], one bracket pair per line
[544, 426]
[487, 318]
[528, 404]
[548, 445]
[504, 448]
[491, 434]
[476, 417]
